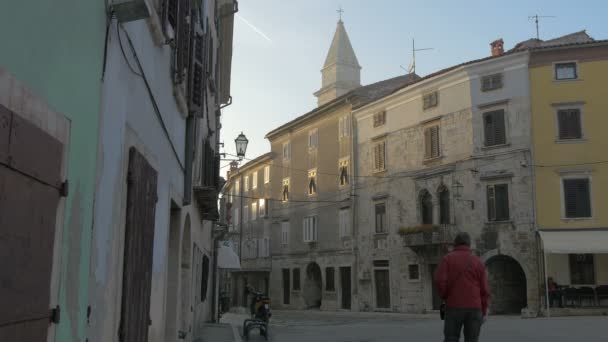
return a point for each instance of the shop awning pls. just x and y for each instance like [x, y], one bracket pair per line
[575, 241]
[226, 257]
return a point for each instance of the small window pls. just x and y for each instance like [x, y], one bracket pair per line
[344, 222]
[413, 271]
[491, 82]
[380, 118]
[310, 229]
[344, 127]
[266, 174]
[287, 151]
[577, 199]
[582, 269]
[343, 169]
[254, 211]
[263, 207]
[296, 279]
[313, 139]
[312, 182]
[498, 202]
[254, 180]
[430, 100]
[286, 189]
[431, 142]
[569, 124]
[494, 128]
[285, 233]
[380, 213]
[246, 183]
[246, 214]
[566, 71]
[330, 279]
[379, 156]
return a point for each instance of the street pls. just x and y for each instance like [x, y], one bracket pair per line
[315, 326]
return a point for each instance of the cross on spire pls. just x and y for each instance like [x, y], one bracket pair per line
[340, 11]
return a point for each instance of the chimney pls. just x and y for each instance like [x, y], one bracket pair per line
[497, 47]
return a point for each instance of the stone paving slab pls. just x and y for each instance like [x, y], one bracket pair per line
[221, 332]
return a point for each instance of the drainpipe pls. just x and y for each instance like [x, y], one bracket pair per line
[355, 226]
[191, 122]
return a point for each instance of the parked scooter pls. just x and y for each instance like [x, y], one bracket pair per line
[260, 314]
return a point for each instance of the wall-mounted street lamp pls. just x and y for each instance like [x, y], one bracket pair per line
[457, 187]
[241, 143]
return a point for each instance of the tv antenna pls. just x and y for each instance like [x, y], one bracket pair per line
[412, 67]
[536, 17]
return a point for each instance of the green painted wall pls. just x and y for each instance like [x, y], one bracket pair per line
[55, 47]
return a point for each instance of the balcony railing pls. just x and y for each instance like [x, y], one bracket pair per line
[426, 235]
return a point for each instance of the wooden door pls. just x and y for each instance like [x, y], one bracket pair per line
[30, 189]
[435, 294]
[139, 244]
[383, 297]
[286, 286]
[345, 287]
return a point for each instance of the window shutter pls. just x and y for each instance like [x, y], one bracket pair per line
[563, 124]
[427, 143]
[499, 127]
[341, 128]
[382, 155]
[491, 203]
[183, 40]
[195, 79]
[489, 129]
[375, 157]
[502, 201]
[435, 141]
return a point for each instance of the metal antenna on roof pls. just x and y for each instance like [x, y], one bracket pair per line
[536, 17]
[412, 67]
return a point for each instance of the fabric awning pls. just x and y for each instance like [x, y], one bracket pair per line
[575, 241]
[226, 257]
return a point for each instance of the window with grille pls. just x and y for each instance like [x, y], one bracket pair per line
[312, 182]
[287, 151]
[569, 124]
[254, 211]
[330, 279]
[491, 82]
[413, 271]
[379, 118]
[313, 139]
[430, 100]
[344, 127]
[431, 142]
[566, 71]
[379, 156]
[343, 170]
[310, 229]
[577, 197]
[266, 174]
[344, 222]
[380, 214]
[498, 202]
[254, 180]
[582, 269]
[285, 233]
[494, 127]
[285, 194]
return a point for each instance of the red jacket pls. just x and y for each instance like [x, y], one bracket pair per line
[471, 290]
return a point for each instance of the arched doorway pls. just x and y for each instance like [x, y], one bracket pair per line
[185, 277]
[173, 274]
[507, 285]
[312, 286]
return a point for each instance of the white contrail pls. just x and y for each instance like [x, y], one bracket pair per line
[254, 28]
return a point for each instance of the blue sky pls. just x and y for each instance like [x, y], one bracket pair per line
[273, 81]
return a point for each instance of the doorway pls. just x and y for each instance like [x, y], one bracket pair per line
[286, 286]
[173, 273]
[436, 300]
[382, 284]
[345, 287]
[313, 286]
[507, 285]
[185, 276]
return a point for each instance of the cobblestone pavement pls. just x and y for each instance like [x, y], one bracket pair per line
[315, 326]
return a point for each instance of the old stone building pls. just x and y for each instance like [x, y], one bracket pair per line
[448, 153]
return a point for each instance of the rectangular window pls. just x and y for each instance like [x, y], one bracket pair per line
[236, 217]
[577, 198]
[263, 207]
[431, 142]
[246, 183]
[285, 233]
[296, 279]
[254, 211]
[310, 229]
[245, 214]
[330, 280]
[344, 127]
[266, 174]
[379, 156]
[569, 124]
[566, 71]
[312, 182]
[380, 214]
[313, 139]
[343, 170]
[254, 180]
[498, 202]
[430, 100]
[491, 82]
[582, 269]
[380, 118]
[494, 127]
[344, 222]
[287, 151]
[285, 194]
[414, 271]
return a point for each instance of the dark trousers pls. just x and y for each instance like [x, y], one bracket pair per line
[456, 319]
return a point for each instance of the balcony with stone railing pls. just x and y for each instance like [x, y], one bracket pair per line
[421, 236]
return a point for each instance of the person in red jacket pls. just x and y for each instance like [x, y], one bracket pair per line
[463, 285]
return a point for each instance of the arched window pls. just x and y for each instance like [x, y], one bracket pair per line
[444, 205]
[426, 207]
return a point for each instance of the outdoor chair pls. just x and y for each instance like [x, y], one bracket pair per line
[570, 296]
[586, 295]
[602, 294]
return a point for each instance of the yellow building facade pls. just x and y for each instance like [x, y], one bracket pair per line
[569, 99]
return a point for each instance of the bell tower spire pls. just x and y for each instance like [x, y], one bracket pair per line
[341, 72]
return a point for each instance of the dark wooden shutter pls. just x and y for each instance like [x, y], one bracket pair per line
[491, 200]
[577, 198]
[488, 120]
[205, 278]
[434, 141]
[427, 143]
[502, 202]
[183, 30]
[30, 178]
[499, 127]
[196, 77]
[569, 121]
[382, 156]
[138, 249]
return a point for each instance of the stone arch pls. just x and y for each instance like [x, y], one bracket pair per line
[426, 207]
[508, 284]
[186, 276]
[313, 286]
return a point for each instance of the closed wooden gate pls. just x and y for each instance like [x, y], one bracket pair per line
[345, 287]
[286, 286]
[139, 244]
[383, 299]
[30, 189]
